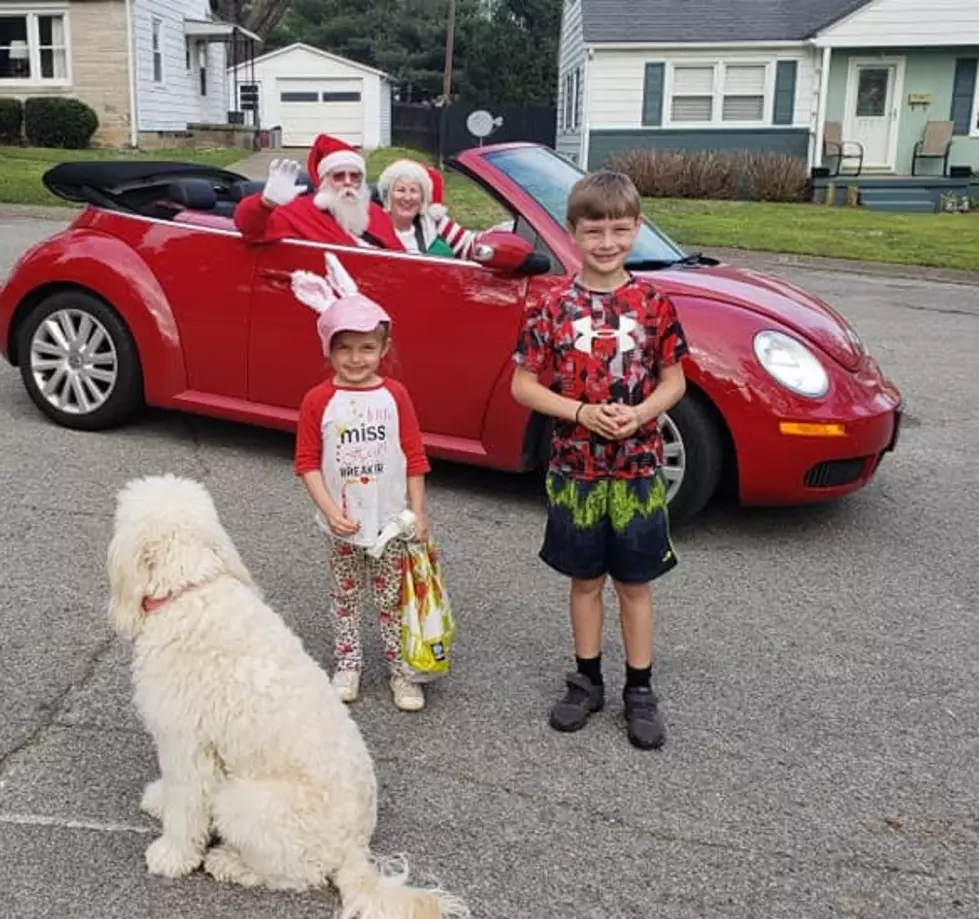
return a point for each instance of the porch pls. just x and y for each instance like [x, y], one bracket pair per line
[897, 127]
[906, 194]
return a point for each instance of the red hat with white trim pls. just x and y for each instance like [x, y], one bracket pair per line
[436, 207]
[330, 153]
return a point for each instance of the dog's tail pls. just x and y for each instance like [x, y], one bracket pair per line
[373, 888]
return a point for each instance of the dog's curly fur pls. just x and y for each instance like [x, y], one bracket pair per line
[254, 745]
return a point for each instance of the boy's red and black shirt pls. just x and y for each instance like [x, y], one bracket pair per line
[603, 347]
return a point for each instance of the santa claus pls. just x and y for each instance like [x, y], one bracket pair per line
[340, 212]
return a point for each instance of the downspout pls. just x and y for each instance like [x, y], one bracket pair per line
[131, 66]
[584, 145]
[822, 105]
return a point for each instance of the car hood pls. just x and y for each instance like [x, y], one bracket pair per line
[771, 297]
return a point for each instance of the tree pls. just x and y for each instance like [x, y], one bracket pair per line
[504, 50]
[511, 55]
[258, 16]
[404, 38]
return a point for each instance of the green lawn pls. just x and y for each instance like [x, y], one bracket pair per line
[21, 168]
[933, 240]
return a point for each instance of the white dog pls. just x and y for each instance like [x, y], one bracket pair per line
[254, 745]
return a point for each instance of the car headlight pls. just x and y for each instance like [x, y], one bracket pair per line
[792, 364]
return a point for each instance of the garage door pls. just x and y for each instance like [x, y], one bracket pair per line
[311, 107]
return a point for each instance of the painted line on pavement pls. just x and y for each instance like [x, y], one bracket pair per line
[65, 824]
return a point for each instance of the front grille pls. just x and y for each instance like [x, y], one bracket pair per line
[834, 473]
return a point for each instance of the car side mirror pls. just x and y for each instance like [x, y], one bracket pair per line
[501, 250]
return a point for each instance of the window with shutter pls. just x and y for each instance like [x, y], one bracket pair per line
[744, 92]
[692, 96]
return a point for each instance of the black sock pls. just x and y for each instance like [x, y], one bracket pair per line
[591, 667]
[636, 677]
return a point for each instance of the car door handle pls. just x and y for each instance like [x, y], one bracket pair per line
[273, 274]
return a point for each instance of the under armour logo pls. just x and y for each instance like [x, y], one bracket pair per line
[587, 334]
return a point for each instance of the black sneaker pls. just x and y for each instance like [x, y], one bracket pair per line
[582, 699]
[643, 721]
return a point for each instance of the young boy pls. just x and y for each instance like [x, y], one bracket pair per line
[613, 345]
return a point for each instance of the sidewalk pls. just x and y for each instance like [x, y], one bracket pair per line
[256, 166]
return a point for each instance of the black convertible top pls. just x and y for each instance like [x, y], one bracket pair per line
[100, 183]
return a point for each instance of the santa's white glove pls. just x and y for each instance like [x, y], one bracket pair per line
[282, 186]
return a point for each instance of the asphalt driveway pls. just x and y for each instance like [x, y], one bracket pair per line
[818, 668]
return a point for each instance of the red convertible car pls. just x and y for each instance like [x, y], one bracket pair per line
[151, 296]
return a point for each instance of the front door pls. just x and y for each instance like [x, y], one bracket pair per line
[872, 109]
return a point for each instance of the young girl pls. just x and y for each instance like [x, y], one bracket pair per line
[360, 455]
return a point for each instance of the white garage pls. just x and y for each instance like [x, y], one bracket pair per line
[306, 91]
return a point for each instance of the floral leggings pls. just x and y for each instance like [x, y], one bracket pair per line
[354, 573]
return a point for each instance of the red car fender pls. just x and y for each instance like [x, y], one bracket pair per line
[111, 270]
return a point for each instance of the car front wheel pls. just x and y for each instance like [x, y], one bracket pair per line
[78, 362]
[693, 457]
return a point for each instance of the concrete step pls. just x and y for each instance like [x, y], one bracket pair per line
[898, 205]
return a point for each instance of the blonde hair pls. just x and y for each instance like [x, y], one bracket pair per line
[603, 195]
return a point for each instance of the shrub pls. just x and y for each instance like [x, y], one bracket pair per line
[734, 174]
[11, 120]
[56, 121]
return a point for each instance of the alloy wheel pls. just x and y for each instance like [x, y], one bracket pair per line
[674, 456]
[74, 362]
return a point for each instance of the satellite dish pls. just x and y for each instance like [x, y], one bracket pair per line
[481, 124]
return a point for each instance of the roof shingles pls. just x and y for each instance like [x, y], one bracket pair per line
[720, 21]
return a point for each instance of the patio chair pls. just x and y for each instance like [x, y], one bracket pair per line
[836, 148]
[936, 144]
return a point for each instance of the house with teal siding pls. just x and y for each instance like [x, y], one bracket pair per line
[771, 75]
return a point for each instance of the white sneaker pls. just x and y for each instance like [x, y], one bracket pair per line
[347, 684]
[408, 696]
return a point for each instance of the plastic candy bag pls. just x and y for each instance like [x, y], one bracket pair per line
[427, 625]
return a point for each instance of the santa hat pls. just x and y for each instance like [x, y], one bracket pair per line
[341, 306]
[430, 180]
[330, 153]
[436, 207]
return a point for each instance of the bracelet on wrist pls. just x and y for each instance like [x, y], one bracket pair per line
[577, 414]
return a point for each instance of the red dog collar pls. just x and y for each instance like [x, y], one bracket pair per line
[151, 605]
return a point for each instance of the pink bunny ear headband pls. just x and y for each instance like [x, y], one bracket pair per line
[341, 306]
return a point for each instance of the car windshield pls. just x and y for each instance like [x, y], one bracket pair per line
[548, 179]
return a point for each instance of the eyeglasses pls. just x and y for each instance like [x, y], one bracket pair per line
[350, 176]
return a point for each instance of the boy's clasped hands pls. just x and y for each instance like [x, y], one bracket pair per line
[614, 421]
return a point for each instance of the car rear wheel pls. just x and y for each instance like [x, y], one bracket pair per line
[78, 362]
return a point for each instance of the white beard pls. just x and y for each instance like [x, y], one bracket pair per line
[350, 208]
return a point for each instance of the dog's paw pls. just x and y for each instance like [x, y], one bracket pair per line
[168, 860]
[152, 803]
[224, 864]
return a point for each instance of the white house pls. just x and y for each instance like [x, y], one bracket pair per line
[147, 67]
[306, 91]
[770, 75]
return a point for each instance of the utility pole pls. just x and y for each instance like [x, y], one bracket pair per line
[450, 33]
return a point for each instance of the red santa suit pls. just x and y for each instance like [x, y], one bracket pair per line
[302, 219]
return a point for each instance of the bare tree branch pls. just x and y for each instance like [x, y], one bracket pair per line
[265, 15]
[259, 16]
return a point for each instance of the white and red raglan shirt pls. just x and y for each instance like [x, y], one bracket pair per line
[366, 443]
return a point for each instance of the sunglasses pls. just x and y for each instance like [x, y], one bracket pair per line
[347, 175]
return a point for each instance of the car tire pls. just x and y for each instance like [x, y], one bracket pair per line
[703, 457]
[79, 362]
